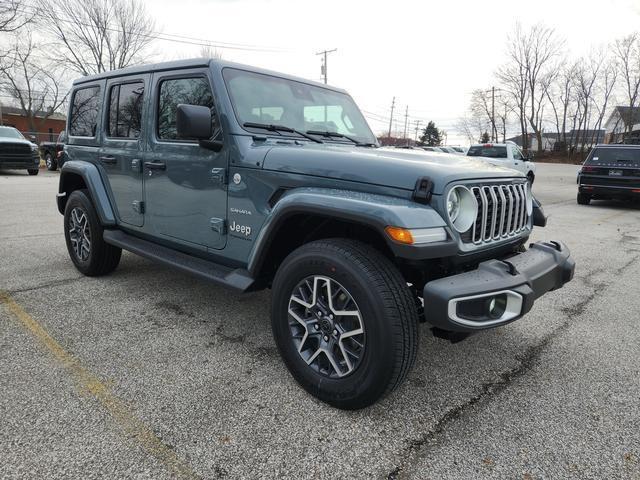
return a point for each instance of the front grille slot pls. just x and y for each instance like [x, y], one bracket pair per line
[502, 212]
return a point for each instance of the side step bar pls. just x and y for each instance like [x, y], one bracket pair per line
[238, 279]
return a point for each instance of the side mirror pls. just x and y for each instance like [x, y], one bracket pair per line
[194, 122]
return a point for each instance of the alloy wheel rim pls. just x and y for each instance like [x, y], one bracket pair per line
[326, 326]
[47, 160]
[80, 233]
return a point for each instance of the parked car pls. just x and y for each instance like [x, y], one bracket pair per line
[610, 172]
[16, 152]
[459, 149]
[433, 149]
[447, 149]
[506, 155]
[50, 152]
[254, 179]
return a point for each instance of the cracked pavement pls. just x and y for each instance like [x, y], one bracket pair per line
[554, 395]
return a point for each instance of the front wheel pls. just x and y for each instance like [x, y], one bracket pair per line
[344, 322]
[51, 163]
[33, 171]
[83, 233]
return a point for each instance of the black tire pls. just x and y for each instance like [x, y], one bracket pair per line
[531, 177]
[33, 171]
[52, 164]
[101, 257]
[388, 313]
[583, 198]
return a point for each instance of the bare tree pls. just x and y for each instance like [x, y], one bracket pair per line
[627, 52]
[93, 36]
[483, 106]
[471, 126]
[560, 96]
[13, 15]
[586, 77]
[605, 87]
[32, 85]
[210, 52]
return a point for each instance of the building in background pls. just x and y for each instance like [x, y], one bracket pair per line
[48, 129]
[618, 124]
[576, 140]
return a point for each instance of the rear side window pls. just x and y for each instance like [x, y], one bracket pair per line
[84, 112]
[491, 151]
[628, 156]
[125, 110]
[190, 91]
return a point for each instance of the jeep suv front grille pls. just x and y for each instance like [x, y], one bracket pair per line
[502, 212]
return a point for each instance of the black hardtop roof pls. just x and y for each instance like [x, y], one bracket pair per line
[616, 145]
[194, 63]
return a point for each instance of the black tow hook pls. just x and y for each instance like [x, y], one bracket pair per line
[453, 337]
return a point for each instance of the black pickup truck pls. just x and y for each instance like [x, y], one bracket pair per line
[52, 152]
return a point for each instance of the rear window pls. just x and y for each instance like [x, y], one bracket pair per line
[84, 112]
[608, 156]
[491, 151]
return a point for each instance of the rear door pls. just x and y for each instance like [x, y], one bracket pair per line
[122, 146]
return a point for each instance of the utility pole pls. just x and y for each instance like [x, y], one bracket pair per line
[393, 105]
[323, 68]
[406, 117]
[494, 130]
[418, 122]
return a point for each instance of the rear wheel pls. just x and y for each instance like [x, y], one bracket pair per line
[344, 321]
[83, 233]
[51, 163]
[33, 171]
[583, 198]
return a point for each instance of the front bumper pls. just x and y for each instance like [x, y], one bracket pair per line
[16, 162]
[515, 283]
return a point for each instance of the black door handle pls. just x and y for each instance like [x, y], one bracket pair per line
[108, 159]
[155, 165]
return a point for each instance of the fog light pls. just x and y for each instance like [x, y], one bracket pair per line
[496, 306]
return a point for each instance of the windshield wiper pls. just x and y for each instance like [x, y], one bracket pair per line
[328, 134]
[280, 128]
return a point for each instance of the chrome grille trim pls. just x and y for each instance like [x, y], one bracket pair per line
[502, 212]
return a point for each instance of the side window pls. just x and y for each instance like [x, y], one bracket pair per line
[191, 91]
[84, 112]
[517, 154]
[125, 110]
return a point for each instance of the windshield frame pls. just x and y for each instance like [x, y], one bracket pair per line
[19, 136]
[372, 140]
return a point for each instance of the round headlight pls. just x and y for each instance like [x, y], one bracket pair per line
[529, 199]
[453, 205]
[462, 208]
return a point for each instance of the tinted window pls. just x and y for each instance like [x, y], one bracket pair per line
[623, 156]
[491, 151]
[190, 91]
[125, 110]
[84, 112]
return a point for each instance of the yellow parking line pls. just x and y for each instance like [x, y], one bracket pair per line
[89, 382]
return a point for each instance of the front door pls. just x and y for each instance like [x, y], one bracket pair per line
[122, 147]
[185, 191]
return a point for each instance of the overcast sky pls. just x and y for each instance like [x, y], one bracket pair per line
[429, 55]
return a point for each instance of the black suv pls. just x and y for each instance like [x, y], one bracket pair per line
[610, 172]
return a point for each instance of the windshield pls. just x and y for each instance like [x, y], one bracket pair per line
[265, 99]
[614, 155]
[491, 151]
[8, 132]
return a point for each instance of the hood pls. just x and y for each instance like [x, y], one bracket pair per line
[16, 141]
[381, 166]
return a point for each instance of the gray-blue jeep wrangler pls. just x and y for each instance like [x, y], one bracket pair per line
[253, 179]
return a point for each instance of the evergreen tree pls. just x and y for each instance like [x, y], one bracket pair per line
[485, 138]
[431, 136]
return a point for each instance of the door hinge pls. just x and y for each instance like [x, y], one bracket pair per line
[219, 225]
[219, 175]
[138, 206]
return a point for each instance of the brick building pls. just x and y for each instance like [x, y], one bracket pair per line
[48, 129]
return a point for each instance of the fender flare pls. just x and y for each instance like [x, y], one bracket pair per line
[372, 210]
[93, 181]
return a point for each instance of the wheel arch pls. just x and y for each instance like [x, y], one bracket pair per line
[76, 175]
[304, 215]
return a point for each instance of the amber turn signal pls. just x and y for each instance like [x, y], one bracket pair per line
[400, 235]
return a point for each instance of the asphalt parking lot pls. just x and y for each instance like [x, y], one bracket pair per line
[149, 373]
